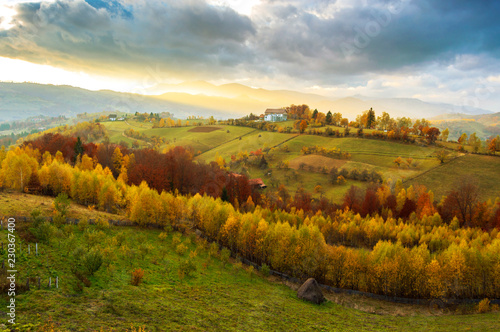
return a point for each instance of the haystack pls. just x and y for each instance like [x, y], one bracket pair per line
[311, 292]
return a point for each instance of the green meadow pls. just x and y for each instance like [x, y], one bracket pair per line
[366, 154]
[218, 293]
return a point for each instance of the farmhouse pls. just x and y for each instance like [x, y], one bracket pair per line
[257, 183]
[112, 117]
[274, 115]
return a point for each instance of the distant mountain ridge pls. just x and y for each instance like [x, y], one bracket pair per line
[22, 100]
[234, 95]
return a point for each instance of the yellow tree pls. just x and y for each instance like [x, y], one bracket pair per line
[117, 159]
[87, 163]
[109, 196]
[59, 157]
[230, 232]
[3, 154]
[435, 282]
[17, 168]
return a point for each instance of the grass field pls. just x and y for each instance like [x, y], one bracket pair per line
[485, 169]
[253, 141]
[200, 140]
[369, 154]
[116, 129]
[218, 296]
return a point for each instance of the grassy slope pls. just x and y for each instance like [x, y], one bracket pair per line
[486, 169]
[251, 142]
[217, 297]
[367, 154]
[199, 141]
[117, 128]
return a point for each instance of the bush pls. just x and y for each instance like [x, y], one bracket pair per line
[78, 254]
[250, 271]
[266, 271]
[59, 220]
[186, 268]
[82, 224]
[92, 238]
[145, 249]
[181, 249]
[214, 250]
[162, 236]
[483, 306]
[61, 204]
[137, 276]
[92, 261]
[224, 255]
[44, 232]
[237, 267]
[193, 254]
[67, 230]
[36, 217]
[120, 239]
[176, 240]
[102, 223]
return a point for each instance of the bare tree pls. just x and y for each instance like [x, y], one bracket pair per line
[464, 197]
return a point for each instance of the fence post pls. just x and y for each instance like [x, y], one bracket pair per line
[37, 248]
[29, 249]
[57, 282]
[28, 283]
[39, 285]
[50, 281]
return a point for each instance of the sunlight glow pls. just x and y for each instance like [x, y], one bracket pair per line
[243, 7]
[14, 70]
[6, 15]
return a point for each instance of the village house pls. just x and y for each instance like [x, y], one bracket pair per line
[257, 183]
[275, 114]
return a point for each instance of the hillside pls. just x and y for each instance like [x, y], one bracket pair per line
[230, 97]
[366, 154]
[220, 294]
[484, 125]
[22, 100]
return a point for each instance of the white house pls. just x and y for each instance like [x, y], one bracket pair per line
[274, 115]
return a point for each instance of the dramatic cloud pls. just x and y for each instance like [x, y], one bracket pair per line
[183, 38]
[431, 49]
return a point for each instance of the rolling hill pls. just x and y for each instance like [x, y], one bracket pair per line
[22, 100]
[484, 125]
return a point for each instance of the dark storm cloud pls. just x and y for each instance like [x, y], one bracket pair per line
[301, 36]
[178, 36]
[318, 41]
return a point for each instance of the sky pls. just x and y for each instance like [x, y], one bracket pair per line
[439, 51]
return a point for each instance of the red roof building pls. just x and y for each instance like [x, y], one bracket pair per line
[257, 183]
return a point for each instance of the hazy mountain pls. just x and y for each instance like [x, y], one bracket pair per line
[484, 125]
[492, 119]
[235, 95]
[21, 100]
